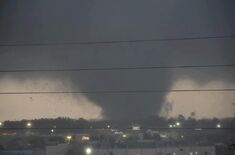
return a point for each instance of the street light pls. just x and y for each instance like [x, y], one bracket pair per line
[69, 137]
[177, 123]
[29, 124]
[1, 124]
[88, 150]
[218, 126]
[52, 130]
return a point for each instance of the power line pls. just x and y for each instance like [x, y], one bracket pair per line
[116, 68]
[119, 91]
[76, 128]
[113, 42]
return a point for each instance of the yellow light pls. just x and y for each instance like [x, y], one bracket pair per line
[69, 137]
[0, 123]
[88, 150]
[29, 124]
[124, 136]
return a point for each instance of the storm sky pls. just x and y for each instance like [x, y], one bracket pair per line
[62, 22]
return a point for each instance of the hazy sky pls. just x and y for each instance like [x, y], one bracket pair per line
[57, 21]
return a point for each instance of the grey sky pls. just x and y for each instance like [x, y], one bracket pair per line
[109, 20]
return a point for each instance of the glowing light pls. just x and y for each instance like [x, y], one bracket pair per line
[136, 128]
[69, 137]
[85, 138]
[170, 126]
[124, 136]
[52, 130]
[163, 135]
[218, 126]
[1, 123]
[108, 126]
[177, 123]
[88, 150]
[29, 124]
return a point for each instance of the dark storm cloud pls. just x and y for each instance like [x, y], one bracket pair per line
[105, 20]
